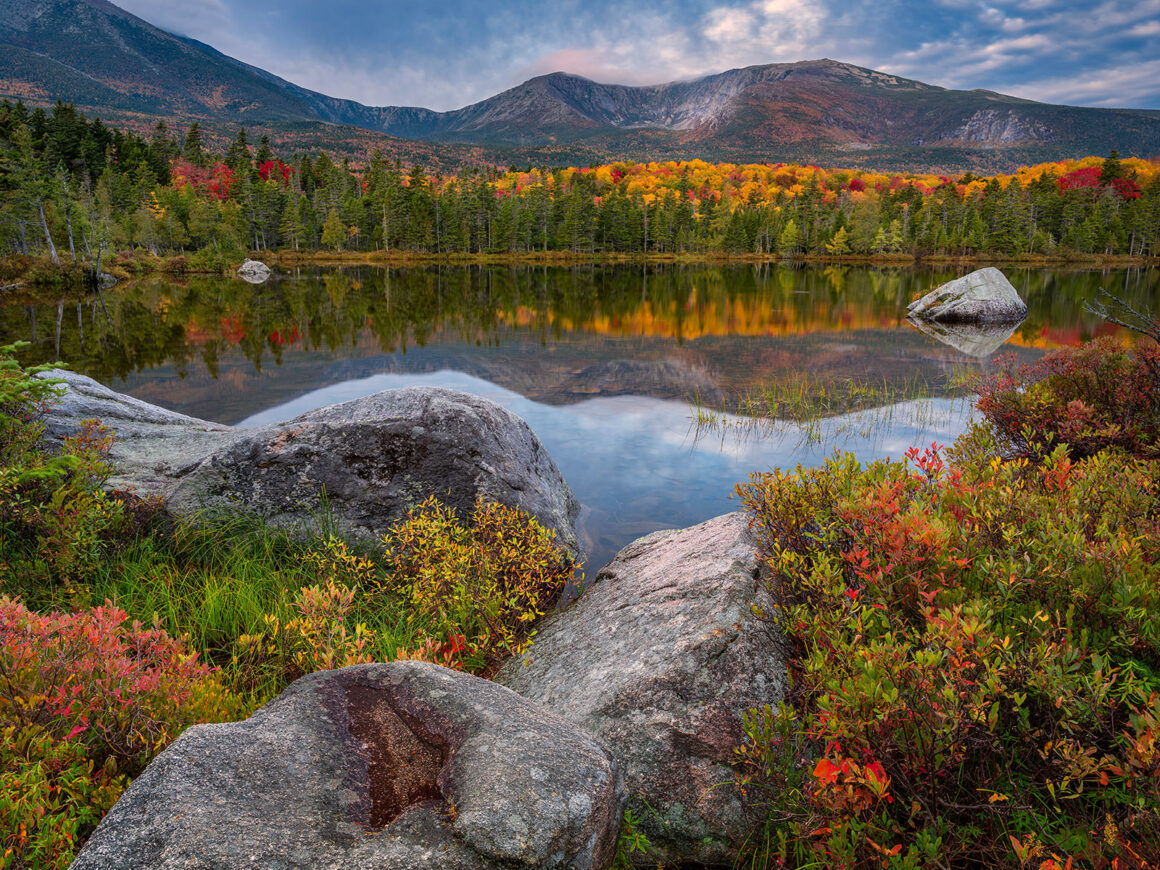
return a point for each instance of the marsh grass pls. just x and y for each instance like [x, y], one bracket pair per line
[815, 409]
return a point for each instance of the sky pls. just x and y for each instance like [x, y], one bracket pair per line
[444, 54]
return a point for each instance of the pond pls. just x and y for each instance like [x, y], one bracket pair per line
[616, 368]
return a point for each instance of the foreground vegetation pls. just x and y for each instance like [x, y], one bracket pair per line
[976, 630]
[68, 181]
[209, 620]
[977, 634]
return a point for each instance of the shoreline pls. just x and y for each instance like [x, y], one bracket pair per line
[20, 273]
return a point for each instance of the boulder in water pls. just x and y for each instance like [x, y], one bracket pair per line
[983, 296]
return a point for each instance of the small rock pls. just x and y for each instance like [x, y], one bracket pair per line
[983, 296]
[254, 271]
[385, 766]
[659, 658]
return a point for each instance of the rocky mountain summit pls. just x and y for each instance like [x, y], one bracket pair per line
[106, 60]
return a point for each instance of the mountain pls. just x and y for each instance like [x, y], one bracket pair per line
[112, 63]
[119, 67]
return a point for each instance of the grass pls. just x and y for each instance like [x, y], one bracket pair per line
[218, 580]
[863, 409]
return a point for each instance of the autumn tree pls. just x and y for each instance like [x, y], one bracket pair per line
[333, 231]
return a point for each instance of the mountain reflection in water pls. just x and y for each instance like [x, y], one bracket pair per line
[638, 464]
[603, 362]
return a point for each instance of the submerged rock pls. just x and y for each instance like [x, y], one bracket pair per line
[983, 296]
[368, 461]
[386, 766]
[659, 658]
[254, 272]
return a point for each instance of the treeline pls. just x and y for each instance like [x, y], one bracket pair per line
[70, 181]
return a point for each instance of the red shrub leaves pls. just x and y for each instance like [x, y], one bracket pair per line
[1091, 397]
[124, 690]
[85, 700]
[978, 656]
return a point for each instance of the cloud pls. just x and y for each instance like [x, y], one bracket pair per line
[450, 54]
[195, 18]
[1130, 84]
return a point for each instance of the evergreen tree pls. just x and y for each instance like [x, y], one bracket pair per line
[238, 156]
[1112, 168]
[790, 239]
[193, 150]
[265, 154]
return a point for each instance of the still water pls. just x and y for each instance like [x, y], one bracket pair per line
[606, 364]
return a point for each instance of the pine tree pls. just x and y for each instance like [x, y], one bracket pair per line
[265, 154]
[238, 157]
[790, 239]
[193, 150]
[1112, 168]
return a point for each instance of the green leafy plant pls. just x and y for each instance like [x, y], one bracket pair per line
[631, 842]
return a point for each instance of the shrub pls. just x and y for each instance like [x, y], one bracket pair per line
[466, 594]
[55, 517]
[216, 260]
[123, 690]
[978, 660]
[488, 580]
[51, 795]
[1090, 397]
[318, 637]
[85, 701]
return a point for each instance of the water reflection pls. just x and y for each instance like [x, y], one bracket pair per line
[602, 361]
[638, 465]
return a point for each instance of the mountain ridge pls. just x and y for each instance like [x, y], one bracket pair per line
[103, 58]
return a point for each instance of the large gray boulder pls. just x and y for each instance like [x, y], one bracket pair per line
[983, 296]
[659, 658]
[254, 272]
[370, 459]
[387, 766]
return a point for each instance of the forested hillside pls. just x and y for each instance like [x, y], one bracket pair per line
[75, 185]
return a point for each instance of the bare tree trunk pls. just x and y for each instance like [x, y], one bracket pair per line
[47, 234]
[71, 247]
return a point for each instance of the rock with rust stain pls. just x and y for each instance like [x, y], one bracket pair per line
[659, 658]
[369, 460]
[386, 766]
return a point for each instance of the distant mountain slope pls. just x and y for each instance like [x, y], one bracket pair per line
[822, 101]
[108, 61]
